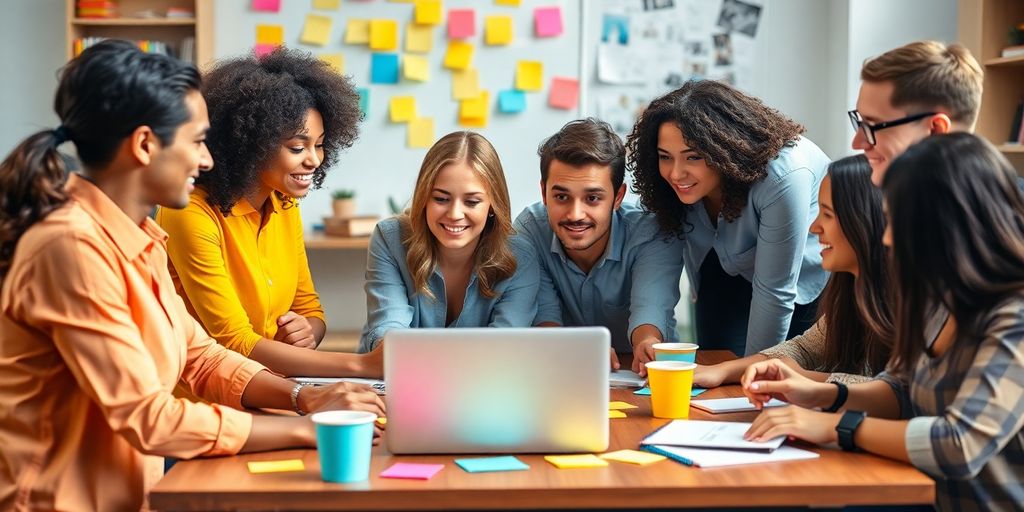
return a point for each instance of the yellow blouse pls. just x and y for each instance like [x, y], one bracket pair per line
[236, 275]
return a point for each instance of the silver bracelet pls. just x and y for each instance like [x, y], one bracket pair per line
[295, 398]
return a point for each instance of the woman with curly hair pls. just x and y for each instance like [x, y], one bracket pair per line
[277, 123]
[736, 180]
[450, 259]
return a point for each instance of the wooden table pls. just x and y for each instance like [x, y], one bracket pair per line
[835, 479]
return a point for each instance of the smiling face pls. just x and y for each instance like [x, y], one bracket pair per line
[837, 254]
[683, 168]
[580, 202]
[173, 170]
[290, 172]
[875, 106]
[458, 208]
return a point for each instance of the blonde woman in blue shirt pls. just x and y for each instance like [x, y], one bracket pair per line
[450, 259]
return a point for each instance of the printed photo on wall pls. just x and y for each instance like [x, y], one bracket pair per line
[737, 16]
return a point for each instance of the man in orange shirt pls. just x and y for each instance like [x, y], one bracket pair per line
[93, 337]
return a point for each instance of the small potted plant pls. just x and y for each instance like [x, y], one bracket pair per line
[344, 203]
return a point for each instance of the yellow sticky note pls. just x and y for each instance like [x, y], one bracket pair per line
[276, 466]
[415, 67]
[459, 55]
[357, 31]
[618, 406]
[474, 108]
[510, 3]
[498, 30]
[633, 457]
[421, 133]
[419, 38]
[427, 12]
[383, 35]
[530, 75]
[403, 108]
[616, 414]
[575, 461]
[326, 5]
[269, 34]
[465, 84]
[382, 420]
[317, 30]
[335, 60]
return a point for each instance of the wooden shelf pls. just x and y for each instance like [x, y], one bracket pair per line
[134, 22]
[321, 241]
[1012, 148]
[1006, 61]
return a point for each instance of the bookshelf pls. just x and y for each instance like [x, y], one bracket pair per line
[983, 28]
[172, 31]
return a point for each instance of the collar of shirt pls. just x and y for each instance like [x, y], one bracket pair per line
[613, 251]
[243, 207]
[130, 238]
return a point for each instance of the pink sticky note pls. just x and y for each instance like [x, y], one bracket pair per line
[547, 21]
[263, 49]
[266, 5]
[565, 93]
[461, 23]
[412, 471]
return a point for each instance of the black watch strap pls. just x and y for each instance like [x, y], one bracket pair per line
[847, 427]
[841, 394]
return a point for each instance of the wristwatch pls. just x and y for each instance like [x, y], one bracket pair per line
[847, 426]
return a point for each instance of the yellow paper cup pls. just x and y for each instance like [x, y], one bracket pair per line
[671, 382]
[675, 352]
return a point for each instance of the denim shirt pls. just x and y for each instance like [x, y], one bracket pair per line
[392, 302]
[635, 282]
[769, 244]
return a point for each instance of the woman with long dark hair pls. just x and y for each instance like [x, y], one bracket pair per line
[852, 340]
[957, 236]
[739, 183]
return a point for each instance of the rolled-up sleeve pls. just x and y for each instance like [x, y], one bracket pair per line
[387, 300]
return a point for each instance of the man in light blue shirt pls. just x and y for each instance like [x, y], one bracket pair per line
[602, 263]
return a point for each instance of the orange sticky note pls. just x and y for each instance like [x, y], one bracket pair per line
[633, 457]
[403, 108]
[327, 5]
[565, 93]
[498, 30]
[616, 414]
[269, 34]
[383, 35]
[427, 12]
[459, 55]
[461, 23]
[419, 38]
[415, 67]
[357, 31]
[275, 466]
[317, 30]
[530, 75]
[421, 133]
[575, 461]
[465, 84]
[473, 112]
[335, 60]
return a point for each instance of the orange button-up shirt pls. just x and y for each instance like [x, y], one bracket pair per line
[93, 339]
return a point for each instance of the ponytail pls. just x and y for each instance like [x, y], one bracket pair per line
[31, 186]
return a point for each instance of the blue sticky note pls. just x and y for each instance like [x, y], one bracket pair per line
[617, 26]
[486, 464]
[384, 68]
[512, 101]
[647, 391]
[364, 100]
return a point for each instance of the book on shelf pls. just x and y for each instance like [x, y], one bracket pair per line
[1016, 132]
[1013, 51]
[95, 9]
[145, 45]
[361, 225]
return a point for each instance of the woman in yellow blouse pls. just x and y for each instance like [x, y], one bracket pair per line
[237, 253]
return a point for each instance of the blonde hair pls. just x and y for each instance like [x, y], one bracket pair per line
[494, 261]
[930, 74]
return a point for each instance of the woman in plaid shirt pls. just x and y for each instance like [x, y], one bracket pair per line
[952, 405]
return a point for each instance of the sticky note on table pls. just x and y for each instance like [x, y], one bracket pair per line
[419, 38]
[275, 466]
[512, 101]
[266, 5]
[618, 406]
[459, 55]
[465, 84]
[547, 21]
[420, 133]
[384, 68]
[633, 457]
[357, 31]
[326, 5]
[575, 461]
[415, 67]
[489, 464]
[461, 23]
[364, 107]
[474, 108]
[616, 415]
[427, 12]
[530, 75]
[510, 3]
[412, 471]
[317, 30]
[383, 35]
[498, 30]
[269, 34]
[262, 49]
[335, 60]
[565, 93]
[646, 391]
[403, 108]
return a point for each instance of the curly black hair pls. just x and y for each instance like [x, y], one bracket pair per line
[257, 103]
[737, 135]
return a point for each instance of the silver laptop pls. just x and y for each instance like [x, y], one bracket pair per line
[490, 390]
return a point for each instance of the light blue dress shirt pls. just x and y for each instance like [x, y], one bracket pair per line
[635, 282]
[392, 302]
[769, 244]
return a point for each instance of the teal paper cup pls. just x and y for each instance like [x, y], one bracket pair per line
[344, 440]
[686, 352]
